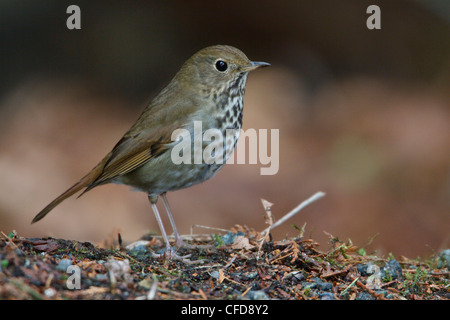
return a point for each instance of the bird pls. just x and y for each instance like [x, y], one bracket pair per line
[205, 94]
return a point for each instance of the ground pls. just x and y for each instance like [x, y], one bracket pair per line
[241, 264]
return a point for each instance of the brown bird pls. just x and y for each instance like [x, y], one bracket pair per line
[206, 95]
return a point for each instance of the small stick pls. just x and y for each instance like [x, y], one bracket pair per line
[294, 211]
[206, 227]
[152, 292]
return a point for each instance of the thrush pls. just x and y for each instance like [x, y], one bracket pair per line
[206, 95]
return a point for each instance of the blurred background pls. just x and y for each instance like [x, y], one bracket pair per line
[363, 115]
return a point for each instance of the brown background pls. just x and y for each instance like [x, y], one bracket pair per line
[363, 116]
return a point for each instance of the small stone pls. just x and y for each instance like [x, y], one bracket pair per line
[391, 271]
[101, 276]
[296, 276]
[367, 269]
[326, 296]
[27, 263]
[249, 275]
[321, 285]
[307, 284]
[49, 292]
[257, 295]
[138, 251]
[140, 243]
[364, 296]
[444, 259]
[229, 237]
[63, 264]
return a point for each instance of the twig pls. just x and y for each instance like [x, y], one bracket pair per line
[152, 292]
[10, 241]
[229, 263]
[294, 211]
[206, 227]
[349, 286]
[269, 220]
[364, 287]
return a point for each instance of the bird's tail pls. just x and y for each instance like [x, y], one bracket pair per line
[86, 181]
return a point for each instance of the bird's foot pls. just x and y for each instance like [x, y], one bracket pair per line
[179, 243]
[171, 254]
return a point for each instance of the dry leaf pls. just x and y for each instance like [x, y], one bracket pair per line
[221, 276]
[241, 242]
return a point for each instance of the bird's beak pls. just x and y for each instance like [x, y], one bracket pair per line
[253, 65]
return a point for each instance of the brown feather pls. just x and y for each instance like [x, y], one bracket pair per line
[85, 181]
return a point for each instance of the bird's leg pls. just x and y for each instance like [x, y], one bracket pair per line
[153, 200]
[178, 241]
[170, 252]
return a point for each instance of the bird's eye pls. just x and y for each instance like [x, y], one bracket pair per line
[221, 66]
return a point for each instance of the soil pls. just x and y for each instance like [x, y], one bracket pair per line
[241, 264]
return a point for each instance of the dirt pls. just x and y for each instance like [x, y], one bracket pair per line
[241, 264]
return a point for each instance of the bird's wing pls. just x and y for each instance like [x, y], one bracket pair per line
[133, 150]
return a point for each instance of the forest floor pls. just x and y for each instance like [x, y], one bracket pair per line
[240, 264]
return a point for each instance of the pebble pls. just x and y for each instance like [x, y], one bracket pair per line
[326, 296]
[101, 276]
[49, 292]
[444, 259]
[391, 270]
[229, 237]
[362, 269]
[364, 296]
[257, 295]
[321, 285]
[318, 284]
[296, 276]
[64, 264]
[27, 263]
[249, 275]
[138, 251]
[367, 269]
